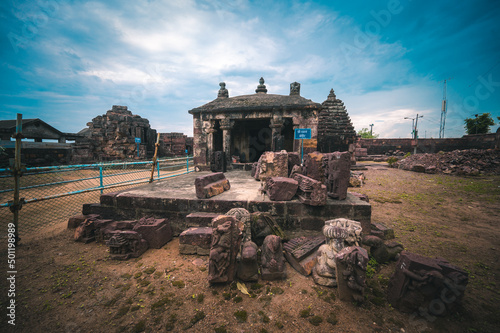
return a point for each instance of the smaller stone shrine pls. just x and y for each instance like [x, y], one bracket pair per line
[272, 259]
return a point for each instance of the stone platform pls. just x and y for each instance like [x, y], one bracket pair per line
[175, 198]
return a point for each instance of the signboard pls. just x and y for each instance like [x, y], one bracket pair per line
[302, 133]
[137, 140]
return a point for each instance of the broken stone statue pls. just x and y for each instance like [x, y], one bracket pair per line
[126, 244]
[351, 273]
[273, 261]
[248, 267]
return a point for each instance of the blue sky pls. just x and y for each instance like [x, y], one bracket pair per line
[67, 62]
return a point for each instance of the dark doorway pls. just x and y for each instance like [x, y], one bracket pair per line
[288, 134]
[250, 138]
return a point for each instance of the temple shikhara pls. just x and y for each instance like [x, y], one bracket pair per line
[243, 127]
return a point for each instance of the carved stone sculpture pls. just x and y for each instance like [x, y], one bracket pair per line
[381, 251]
[126, 244]
[313, 166]
[294, 88]
[310, 192]
[223, 93]
[248, 267]
[85, 232]
[244, 224]
[273, 261]
[301, 253]
[106, 228]
[218, 162]
[339, 233]
[351, 268]
[338, 170]
[431, 286]
[226, 238]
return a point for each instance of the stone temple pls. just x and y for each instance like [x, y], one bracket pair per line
[243, 127]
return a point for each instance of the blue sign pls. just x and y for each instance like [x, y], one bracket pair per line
[302, 133]
[137, 140]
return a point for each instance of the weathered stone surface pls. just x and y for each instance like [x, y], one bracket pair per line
[273, 164]
[218, 162]
[200, 219]
[301, 253]
[313, 166]
[351, 269]
[210, 185]
[226, 239]
[382, 252]
[196, 240]
[255, 170]
[361, 196]
[281, 188]
[431, 286]
[126, 244]
[244, 224]
[273, 261]
[380, 230]
[338, 170]
[310, 191]
[248, 267]
[296, 169]
[263, 225]
[157, 232]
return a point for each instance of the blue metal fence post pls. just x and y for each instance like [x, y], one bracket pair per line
[101, 182]
[187, 161]
[158, 168]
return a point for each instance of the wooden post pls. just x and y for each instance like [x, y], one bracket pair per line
[157, 144]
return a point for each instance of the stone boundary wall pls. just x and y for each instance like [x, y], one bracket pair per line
[475, 141]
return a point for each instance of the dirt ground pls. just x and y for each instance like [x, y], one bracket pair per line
[63, 286]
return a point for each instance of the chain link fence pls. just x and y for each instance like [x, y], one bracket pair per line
[50, 195]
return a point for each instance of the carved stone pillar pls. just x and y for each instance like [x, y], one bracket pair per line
[226, 125]
[277, 139]
[210, 140]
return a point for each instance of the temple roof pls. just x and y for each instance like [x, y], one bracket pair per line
[255, 102]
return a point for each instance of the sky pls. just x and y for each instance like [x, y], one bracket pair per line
[67, 62]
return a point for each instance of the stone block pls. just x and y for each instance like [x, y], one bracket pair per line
[218, 162]
[200, 219]
[380, 230]
[281, 188]
[431, 285]
[313, 166]
[210, 185]
[196, 240]
[75, 221]
[157, 232]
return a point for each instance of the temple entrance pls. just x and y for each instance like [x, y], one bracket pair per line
[217, 137]
[251, 137]
[288, 134]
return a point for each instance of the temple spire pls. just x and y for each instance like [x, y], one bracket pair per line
[261, 88]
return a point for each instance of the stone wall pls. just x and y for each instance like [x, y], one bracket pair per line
[175, 144]
[383, 146]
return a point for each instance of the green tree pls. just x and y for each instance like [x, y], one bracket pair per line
[364, 133]
[480, 124]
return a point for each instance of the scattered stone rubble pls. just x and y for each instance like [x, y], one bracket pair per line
[461, 162]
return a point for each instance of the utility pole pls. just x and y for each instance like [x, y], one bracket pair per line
[371, 129]
[416, 133]
[412, 126]
[444, 109]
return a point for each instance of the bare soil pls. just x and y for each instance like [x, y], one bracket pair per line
[63, 286]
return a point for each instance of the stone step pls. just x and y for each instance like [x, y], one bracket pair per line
[200, 219]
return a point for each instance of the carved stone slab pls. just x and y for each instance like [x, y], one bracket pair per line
[301, 253]
[157, 232]
[351, 269]
[226, 239]
[310, 192]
